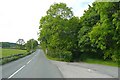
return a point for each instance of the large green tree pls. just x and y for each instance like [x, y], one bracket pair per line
[31, 45]
[87, 22]
[58, 30]
[97, 31]
[105, 34]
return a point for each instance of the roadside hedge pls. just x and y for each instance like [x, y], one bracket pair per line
[8, 59]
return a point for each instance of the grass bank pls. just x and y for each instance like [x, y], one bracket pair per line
[8, 55]
[88, 59]
[97, 59]
[51, 58]
[102, 62]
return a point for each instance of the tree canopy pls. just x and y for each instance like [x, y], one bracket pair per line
[97, 32]
[31, 45]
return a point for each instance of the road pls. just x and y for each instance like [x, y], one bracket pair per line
[35, 65]
[85, 70]
[109, 70]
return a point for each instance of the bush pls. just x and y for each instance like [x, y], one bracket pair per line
[60, 55]
[85, 56]
[67, 55]
[112, 54]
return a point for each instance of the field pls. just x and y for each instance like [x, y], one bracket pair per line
[9, 52]
[8, 55]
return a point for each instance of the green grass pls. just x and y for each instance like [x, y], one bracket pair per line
[98, 61]
[89, 58]
[8, 55]
[56, 59]
[91, 61]
[9, 52]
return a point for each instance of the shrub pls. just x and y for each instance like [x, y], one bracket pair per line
[67, 55]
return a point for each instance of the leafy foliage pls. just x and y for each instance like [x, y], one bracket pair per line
[31, 45]
[8, 45]
[62, 35]
[103, 33]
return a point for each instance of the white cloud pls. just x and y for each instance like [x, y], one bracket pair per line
[20, 18]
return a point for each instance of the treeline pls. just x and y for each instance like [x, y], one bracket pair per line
[96, 34]
[31, 45]
[8, 45]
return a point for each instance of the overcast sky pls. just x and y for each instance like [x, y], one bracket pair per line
[20, 18]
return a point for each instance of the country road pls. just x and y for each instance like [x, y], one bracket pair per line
[37, 65]
[33, 66]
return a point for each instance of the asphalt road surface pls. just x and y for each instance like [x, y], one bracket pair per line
[85, 70]
[35, 65]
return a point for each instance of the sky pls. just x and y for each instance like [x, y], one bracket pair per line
[19, 19]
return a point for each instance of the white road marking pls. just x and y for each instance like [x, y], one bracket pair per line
[21, 68]
[16, 72]
[89, 70]
[29, 61]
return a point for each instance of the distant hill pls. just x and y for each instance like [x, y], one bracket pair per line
[8, 45]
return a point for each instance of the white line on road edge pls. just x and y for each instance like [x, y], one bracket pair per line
[29, 61]
[16, 72]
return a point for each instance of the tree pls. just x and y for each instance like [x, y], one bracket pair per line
[87, 22]
[55, 29]
[97, 31]
[61, 10]
[21, 43]
[105, 34]
[31, 45]
[5, 44]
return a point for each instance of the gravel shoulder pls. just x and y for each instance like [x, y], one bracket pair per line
[85, 70]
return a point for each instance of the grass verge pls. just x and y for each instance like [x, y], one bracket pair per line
[97, 61]
[9, 55]
[90, 61]
[51, 58]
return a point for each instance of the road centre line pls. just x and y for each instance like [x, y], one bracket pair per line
[29, 61]
[16, 72]
[20, 69]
